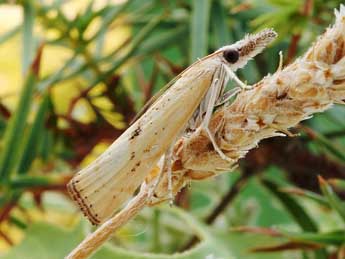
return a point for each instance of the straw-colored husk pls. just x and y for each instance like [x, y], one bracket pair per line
[278, 102]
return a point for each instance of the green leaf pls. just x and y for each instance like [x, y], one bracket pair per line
[307, 194]
[161, 40]
[27, 181]
[332, 198]
[47, 145]
[330, 146]
[327, 238]
[34, 136]
[17, 222]
[284, 3]
[28, 43]
[296, 210]
[84, 19]
[51, 242]
[15, 128]
[156, 243]
[219, 25]
[199, 29]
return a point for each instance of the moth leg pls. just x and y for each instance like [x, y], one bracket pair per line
[167, 165]
[215, 145]
[165, 168]
[227, 96]
[205, 123]
[157, 202]
[237, 80]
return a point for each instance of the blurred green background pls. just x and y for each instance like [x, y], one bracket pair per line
[74, 73]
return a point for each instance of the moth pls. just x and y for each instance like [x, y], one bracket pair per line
[188, 101]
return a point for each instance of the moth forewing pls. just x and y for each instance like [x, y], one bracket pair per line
[102, 187]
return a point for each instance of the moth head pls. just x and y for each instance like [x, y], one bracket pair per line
[236, 55]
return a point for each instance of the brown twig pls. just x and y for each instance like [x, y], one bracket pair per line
[5, 211]
[6, 238]
[307, 7]
[292, 50]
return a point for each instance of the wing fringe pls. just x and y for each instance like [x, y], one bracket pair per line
[85, 208]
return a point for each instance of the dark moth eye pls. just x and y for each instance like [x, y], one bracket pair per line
[231, 55]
